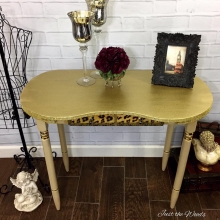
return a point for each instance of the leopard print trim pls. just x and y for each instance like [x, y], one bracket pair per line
[113, 120]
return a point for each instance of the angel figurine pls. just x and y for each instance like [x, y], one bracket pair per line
[30, 197]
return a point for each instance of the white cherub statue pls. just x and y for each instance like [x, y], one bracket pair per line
[30, 197]
[207, 151]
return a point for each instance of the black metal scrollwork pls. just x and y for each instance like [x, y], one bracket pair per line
[15, 43]
[14, 46]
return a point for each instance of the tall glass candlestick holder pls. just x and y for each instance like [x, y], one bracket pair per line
[81, 29]
[98, 7]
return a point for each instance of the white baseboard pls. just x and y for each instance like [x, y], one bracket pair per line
[92, 151]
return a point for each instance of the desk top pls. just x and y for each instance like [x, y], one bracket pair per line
[54, 96]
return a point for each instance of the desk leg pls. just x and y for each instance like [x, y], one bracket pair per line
[167, 145]
[42, 127]
[187, 139]
[63, 146]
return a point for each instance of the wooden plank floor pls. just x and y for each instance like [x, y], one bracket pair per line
[109, 189]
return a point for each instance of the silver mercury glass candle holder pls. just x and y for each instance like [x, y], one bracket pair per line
[98, 7]
[81, 29]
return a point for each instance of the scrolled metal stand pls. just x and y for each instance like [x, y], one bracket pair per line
[10, 88]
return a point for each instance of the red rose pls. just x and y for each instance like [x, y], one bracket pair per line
[112, 58]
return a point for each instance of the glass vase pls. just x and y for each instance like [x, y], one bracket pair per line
[113, 80]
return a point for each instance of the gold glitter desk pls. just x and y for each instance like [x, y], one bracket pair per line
[54, 97]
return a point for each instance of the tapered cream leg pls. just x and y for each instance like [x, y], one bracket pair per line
[167, 145]
[63, 146]
[187, 139]
[42, 127]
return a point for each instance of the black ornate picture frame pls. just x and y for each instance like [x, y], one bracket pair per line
[176, 59]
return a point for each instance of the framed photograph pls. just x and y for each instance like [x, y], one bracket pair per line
[175, 59]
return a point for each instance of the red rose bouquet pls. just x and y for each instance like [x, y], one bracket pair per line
[112, 63]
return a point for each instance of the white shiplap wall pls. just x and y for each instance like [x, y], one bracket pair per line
[130, 24]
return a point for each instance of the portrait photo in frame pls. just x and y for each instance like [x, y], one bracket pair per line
[175, 59]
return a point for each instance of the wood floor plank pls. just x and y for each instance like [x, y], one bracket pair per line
[75, 165]
[188, 204]
[114, 161]
[158, 181]
[136, 199]
[112, 194]
[212, 214]
[85, 211]
[116, 193]
[8, 168]
[37, 214]
[90, 180]
[171, 167]
[135, 167]
[213, 201]
[7, 209]
[40, 165]
[67, 187]
[160, 210]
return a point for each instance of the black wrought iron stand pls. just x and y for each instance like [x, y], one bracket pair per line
[13, 50]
